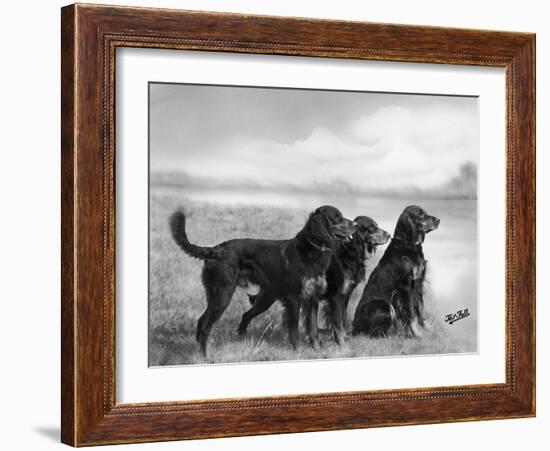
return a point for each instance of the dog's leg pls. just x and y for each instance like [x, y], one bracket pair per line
[413, 320]
[339, 308]
[420, 310]
[220, 284]
[403, 300]
[345, 305]
[263, 301]
[292, 311]
[382, 316]
[416, 332]
[312, 311]
[336, 304]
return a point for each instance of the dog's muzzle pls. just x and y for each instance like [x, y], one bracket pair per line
[344, 230]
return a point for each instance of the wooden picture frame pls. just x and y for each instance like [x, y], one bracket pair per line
[90, 35]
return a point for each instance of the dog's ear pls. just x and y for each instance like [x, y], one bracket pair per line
[408, 230]
[405, 228]
[318, 227]
[318, 224]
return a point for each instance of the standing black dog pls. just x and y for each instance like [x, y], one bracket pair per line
[346, 270]
[291, 270]
[394, 294]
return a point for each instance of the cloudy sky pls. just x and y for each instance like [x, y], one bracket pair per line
[281, 137]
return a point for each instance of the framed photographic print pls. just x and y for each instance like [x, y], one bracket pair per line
[280, 224]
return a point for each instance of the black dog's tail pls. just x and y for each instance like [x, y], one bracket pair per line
[177, 227]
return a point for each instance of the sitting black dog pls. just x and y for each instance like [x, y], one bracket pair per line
[393, 298]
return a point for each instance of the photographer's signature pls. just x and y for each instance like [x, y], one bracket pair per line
[453, 317]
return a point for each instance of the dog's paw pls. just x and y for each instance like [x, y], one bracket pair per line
[315, 343]
[241, 331]
[341, 338]
[428, 327]
[416, 330]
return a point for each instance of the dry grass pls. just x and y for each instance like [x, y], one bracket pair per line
[177, 300]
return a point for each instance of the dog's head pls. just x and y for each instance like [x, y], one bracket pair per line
[413, 224]
[327, 226]
[369, 234]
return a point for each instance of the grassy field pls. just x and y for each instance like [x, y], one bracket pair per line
[176, 295]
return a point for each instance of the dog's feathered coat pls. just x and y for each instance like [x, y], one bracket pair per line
[394, 294]
[290, 270]
[346, 270]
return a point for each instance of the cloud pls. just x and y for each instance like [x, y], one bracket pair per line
[326, 157]
[431, 128]
[402, 144]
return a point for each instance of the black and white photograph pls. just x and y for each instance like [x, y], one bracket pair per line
[239, 225]
[294, 224]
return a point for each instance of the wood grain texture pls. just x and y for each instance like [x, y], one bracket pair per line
[68, 147]
[90, 35]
